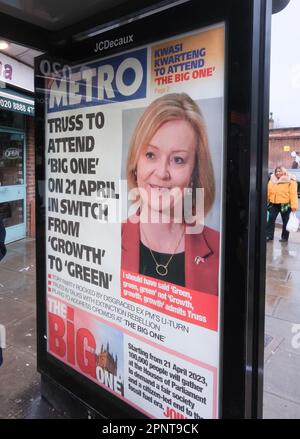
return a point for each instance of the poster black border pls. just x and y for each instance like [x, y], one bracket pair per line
[242, 328]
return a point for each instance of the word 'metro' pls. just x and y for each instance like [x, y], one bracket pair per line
[120, 78]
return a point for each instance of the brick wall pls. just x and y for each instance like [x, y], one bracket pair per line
[30, 177]
[278, 138]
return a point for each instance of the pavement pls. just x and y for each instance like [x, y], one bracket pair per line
[20, 382]
[282, 329]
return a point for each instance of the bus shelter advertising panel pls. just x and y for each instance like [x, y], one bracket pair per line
[134, 169]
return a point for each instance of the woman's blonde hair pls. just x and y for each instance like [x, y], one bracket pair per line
[175, 106]
[282, 169]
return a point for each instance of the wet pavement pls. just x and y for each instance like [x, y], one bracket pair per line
[282, 346]
[20, 381]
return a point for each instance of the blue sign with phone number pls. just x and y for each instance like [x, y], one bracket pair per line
[17, 106]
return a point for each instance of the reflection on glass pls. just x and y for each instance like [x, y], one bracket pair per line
[12, 119]
[12, 212]
[11, 159]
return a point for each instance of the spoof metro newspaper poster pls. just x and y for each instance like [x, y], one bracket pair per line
[134, 155]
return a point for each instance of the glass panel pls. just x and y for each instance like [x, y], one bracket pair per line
[11, 159]
[12, 119]
[12, 212]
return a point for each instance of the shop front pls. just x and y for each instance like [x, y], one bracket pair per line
[16, 143]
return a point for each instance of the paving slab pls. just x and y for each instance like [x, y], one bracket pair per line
[18, 375]
[281, 376]
[11, 279]
[41, 409]
[22, 334]
[288, 310]
[279, 408]
[26, 292]
[19, 263]
[23, 246]
[272, 343]
[271, 303]
[13, 309]
[279, 288]
[284, 329]
[278, 273]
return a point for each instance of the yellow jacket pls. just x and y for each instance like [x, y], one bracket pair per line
[283, 190]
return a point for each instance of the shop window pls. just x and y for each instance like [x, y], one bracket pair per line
[11, 159]
[12, 119]
[12, 213]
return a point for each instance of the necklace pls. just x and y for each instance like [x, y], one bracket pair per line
[162, 269]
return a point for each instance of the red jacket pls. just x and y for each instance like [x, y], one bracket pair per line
[201, 256]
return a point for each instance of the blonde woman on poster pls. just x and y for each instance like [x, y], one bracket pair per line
[169, 149]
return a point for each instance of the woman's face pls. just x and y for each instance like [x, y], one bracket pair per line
[278, 173]
[167, 162]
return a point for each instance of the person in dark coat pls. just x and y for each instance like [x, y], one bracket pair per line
[2, 240]
[2, 254]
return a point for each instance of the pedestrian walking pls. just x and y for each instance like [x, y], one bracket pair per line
[283, 199]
